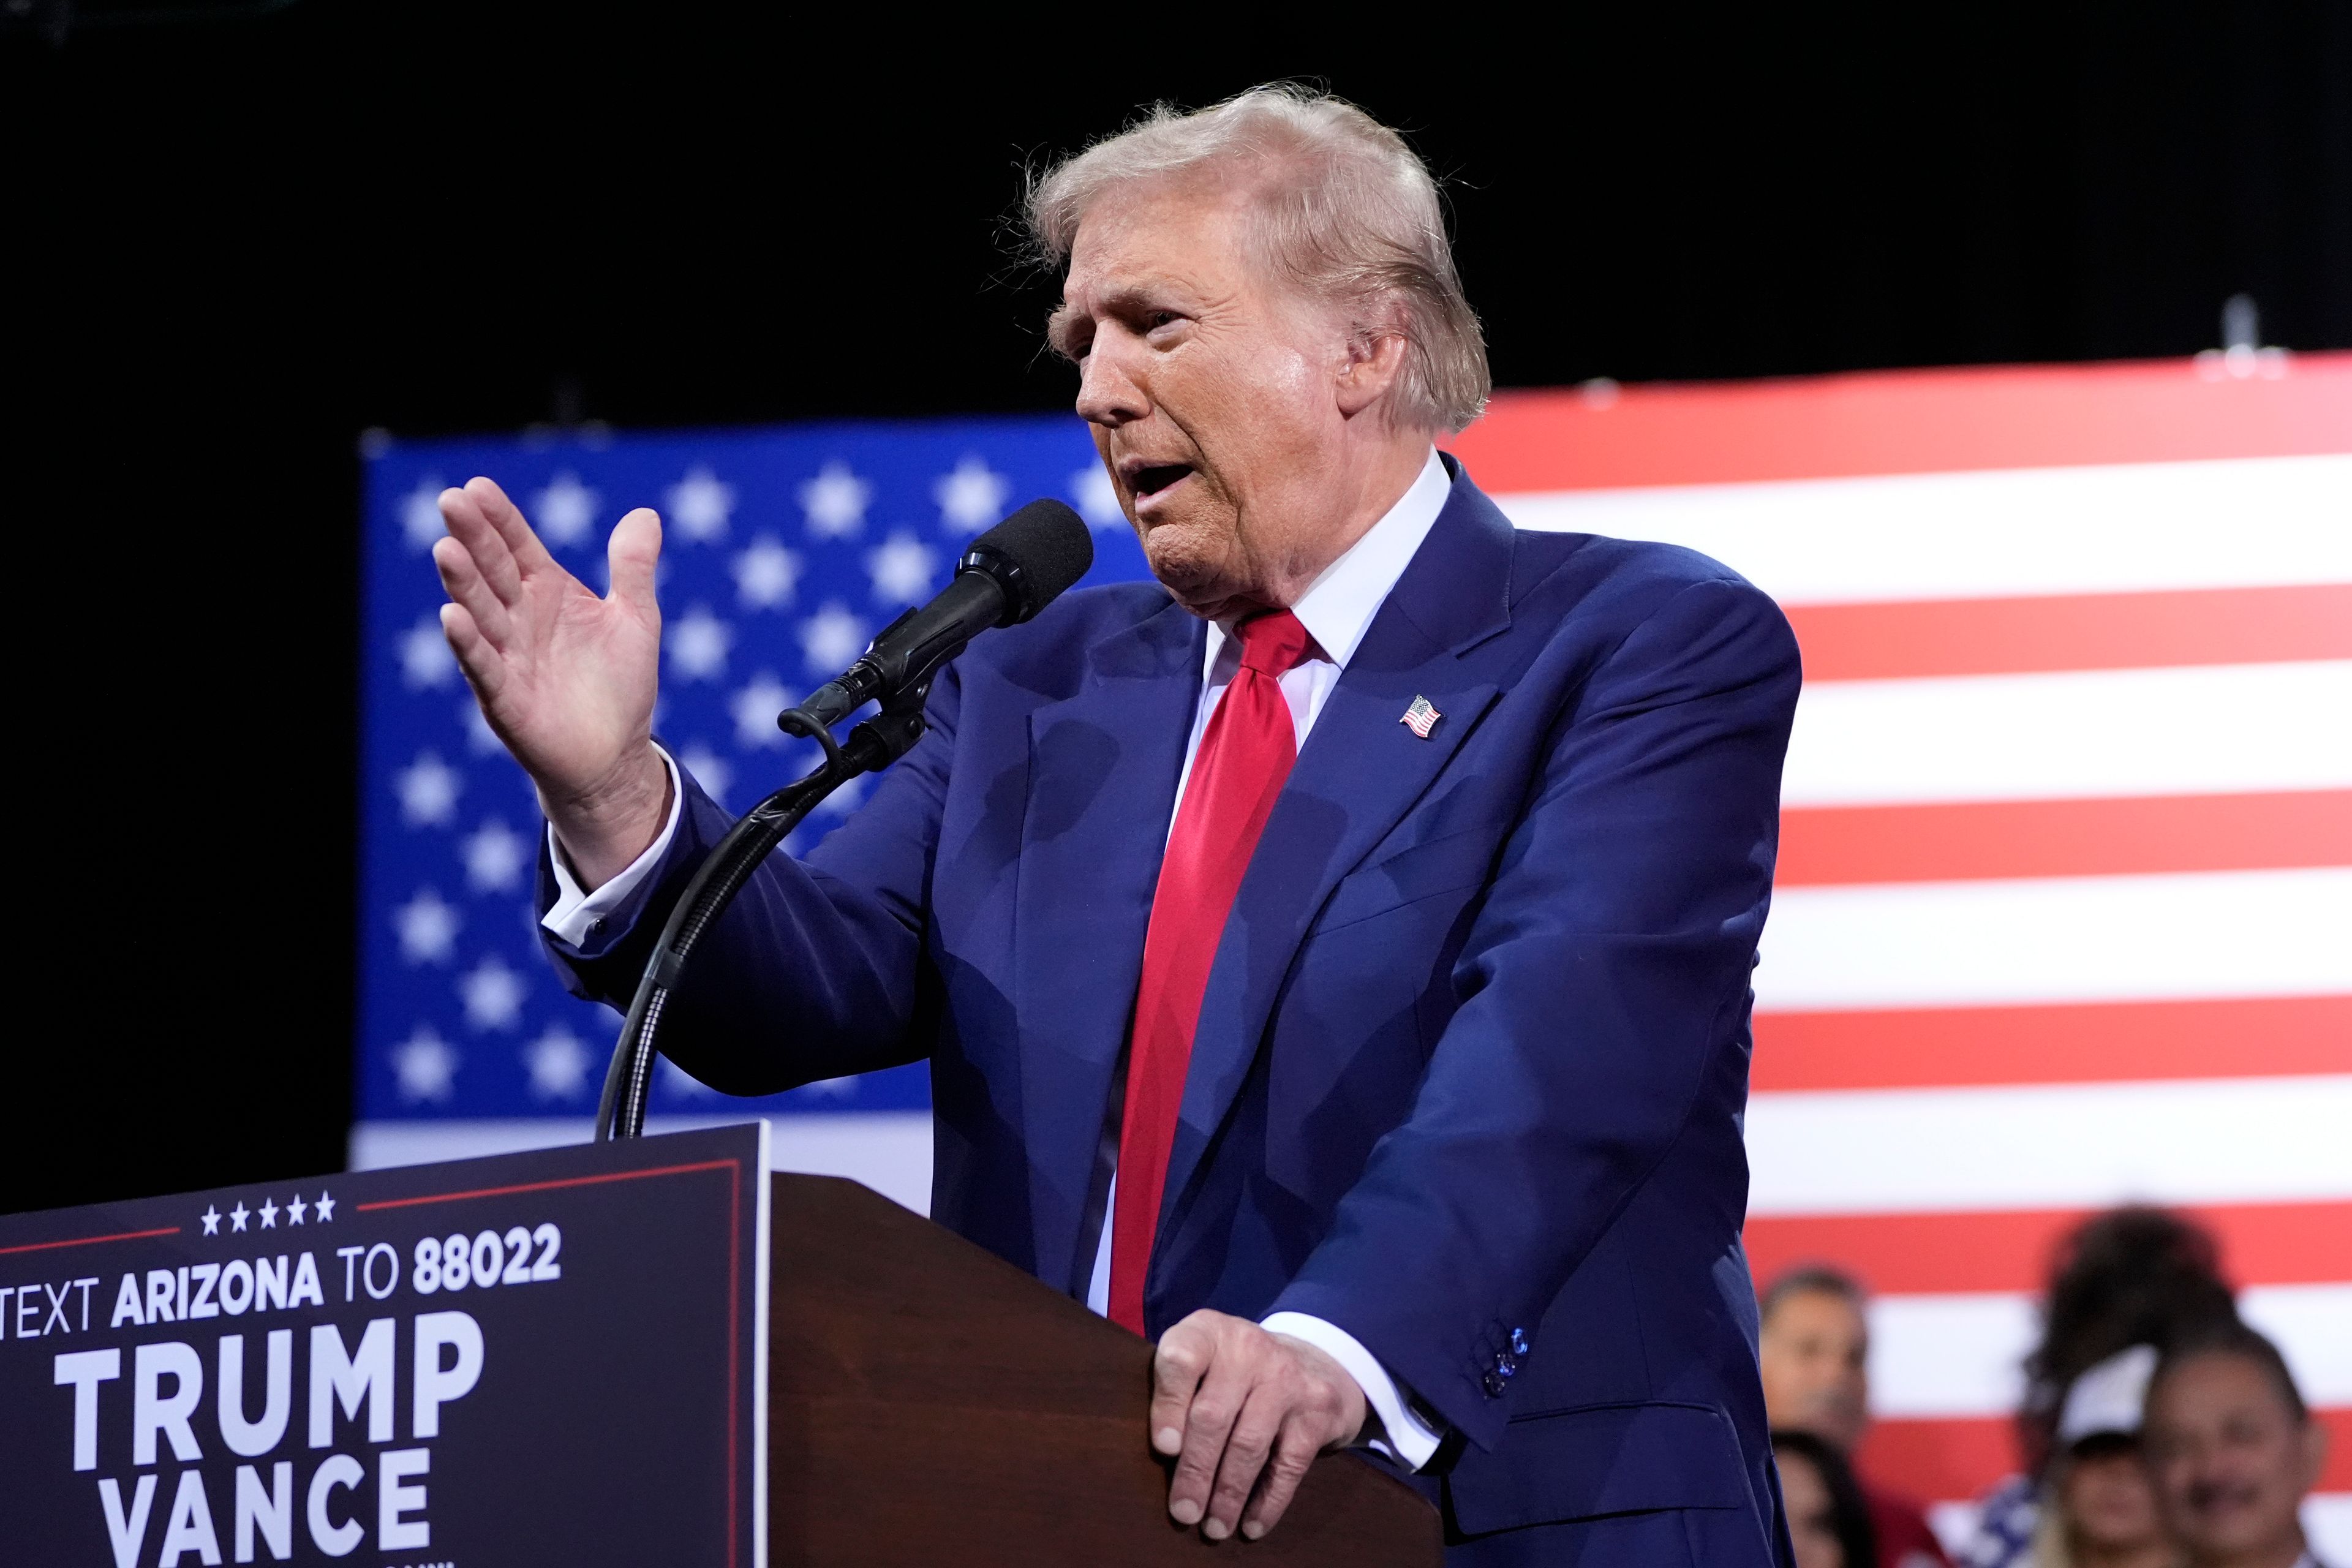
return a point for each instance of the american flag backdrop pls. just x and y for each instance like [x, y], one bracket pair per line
[2064, 906]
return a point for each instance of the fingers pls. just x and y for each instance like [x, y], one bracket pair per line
[461, 513]
[1294, 1449]
[484, 670]
[1246, 1449]
[1176, 1370]
[633, 553]
[1208, 1424]
[503, 515]
[463, 580]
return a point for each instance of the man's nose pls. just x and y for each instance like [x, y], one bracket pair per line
[1109, 392]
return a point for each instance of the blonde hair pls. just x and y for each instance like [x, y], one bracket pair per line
[1342, 210]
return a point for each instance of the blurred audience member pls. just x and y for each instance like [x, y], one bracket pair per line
[2129, 1276]
[1815, 1357]
[2098, 1510]
[2233, 1451]
[1829, 1522]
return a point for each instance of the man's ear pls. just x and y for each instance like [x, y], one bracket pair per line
[1375, 360]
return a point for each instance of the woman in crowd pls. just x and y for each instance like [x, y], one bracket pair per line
[2099, 1505]
[1829, 1522]
[2131, 1276]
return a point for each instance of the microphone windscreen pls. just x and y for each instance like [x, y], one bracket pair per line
[1047, 545]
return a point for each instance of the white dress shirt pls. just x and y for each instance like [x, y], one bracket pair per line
[1336, 609]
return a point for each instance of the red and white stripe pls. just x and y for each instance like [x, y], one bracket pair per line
[2064, 906]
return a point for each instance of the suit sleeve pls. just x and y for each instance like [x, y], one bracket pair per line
[1603, 976]
[816, 970]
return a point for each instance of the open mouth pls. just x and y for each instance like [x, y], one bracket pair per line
[1151, 478]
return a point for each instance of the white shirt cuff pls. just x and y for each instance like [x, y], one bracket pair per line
[1409, 1438]
[577, 912]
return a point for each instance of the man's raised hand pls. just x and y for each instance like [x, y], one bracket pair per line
[566, 679]
[1243, 1413]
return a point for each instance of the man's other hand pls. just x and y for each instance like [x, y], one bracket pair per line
[565, 678]
[1243, 1413]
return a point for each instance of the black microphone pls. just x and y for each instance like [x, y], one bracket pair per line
[1011, 573]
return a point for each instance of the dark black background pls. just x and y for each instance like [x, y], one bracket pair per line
[235, 241]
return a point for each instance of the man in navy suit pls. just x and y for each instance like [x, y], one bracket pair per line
[1333, 959]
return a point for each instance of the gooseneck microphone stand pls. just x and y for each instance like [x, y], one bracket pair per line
[872, 746]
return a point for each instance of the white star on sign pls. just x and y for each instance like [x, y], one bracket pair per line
[902, 570]
[766, 574]
[210, 1216]
[698, 642]
[427, 925]
[699, 504]
[428, 789]
[326, 1207]
[1096, 497]
[835, 501]
[295, 1210]
[424, 1064]
[420, 515]
[495, 856]
[236, 1216]
[559, 1065]
[711, 770]
[492, 993]
[565, 511]
[426, 660]
[269, 1214]
[831, 637]
[972, 497]
[755, 707]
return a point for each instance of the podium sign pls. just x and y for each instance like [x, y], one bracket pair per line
[401, 1367]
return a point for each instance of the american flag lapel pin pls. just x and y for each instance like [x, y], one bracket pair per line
[1421, 717]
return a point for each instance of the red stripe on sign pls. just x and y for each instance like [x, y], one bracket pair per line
[2094, 1042]
[1904, 422]
[1961, 1458]
[1933, 1254]
[1891, 640]
[2134, 835]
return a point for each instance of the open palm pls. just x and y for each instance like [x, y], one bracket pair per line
[565, 678]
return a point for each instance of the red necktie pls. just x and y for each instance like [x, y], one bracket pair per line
[1238, 771]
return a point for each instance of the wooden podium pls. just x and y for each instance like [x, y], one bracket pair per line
[930, 1403]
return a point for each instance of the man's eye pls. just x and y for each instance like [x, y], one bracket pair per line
[1159, 318]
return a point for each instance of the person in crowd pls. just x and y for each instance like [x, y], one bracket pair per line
[1815, 1354]
[1829, 1520]
[2129, 1276]
[2098, 1509]
[2233, 1451]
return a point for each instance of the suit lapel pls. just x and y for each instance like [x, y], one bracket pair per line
[1361, 771]
[1103, 765]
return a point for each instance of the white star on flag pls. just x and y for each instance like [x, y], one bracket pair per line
[831, 638]
[972, 497]
[492, 993]
[844, 800]
[713, 772]
[700, 504]
[766, 574]
[559, 1065]
[495, 856]
[427, 924]
[480, 739]
[426, 660]
[420, 514]
[428, 789]
[425, 1064]
[1096, 497]
[902, 570]
[698, 642]
[676, 1079]
[565, 511]
[835, 501]
[755, 706]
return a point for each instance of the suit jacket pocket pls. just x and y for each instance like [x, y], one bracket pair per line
[1443, 865]
[1600, 1459]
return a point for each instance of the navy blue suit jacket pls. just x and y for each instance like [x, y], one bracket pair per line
[1473, 1052]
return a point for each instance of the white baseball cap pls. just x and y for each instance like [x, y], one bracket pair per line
[2107, 1399]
